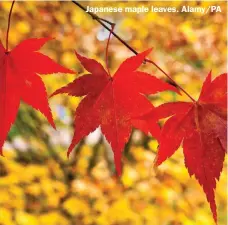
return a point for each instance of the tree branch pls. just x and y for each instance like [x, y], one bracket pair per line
[101, 22]
[8, 28]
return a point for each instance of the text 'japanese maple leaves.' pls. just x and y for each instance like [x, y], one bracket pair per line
[202, 126]
[19, 81]
[114, 102]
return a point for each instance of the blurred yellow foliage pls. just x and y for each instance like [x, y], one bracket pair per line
[40, 186]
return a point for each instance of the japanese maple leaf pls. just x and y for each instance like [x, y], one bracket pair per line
[113, 102]
[19, 80]
[202, 127]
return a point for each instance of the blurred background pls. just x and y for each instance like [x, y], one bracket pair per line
[40, 186]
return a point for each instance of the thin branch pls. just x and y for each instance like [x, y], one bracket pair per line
[9, 19]
[101, 21]
[106, 52]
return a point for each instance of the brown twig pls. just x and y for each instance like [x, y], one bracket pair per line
[106, 52]
[101, 21]
[8, 28]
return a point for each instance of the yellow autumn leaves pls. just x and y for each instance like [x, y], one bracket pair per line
[35, 189]
[36, 194]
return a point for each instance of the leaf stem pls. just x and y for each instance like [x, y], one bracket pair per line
[106, 52]
[9, 19]
[101, 22]
[173, 81]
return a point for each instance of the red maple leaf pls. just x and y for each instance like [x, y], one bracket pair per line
[202, 127]
[19, 81]
[113, 102]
